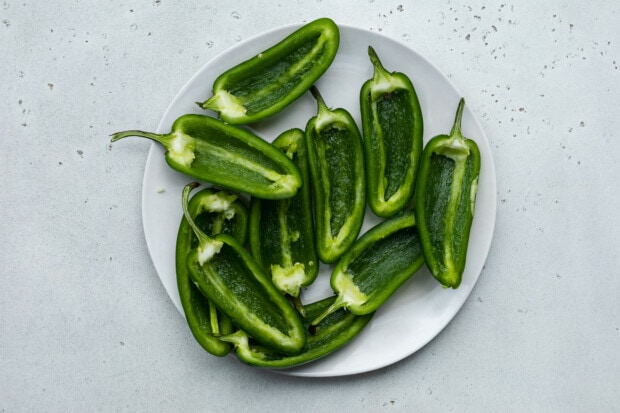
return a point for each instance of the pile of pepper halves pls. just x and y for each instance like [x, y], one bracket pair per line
[308, 193]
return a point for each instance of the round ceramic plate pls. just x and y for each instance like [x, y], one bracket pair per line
[421, 308]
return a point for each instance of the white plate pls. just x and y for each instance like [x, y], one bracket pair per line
[421, 308]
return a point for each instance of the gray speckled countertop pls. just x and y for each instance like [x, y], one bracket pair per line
[85, 324]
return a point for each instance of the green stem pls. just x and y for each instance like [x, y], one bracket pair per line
[380, 74]
[202, 237]
[238, 338]
[336, 305]
[161, 138]
[298, 305]
[319, 99]
[215, 325]
[456, 129]
[374, 59]
[325, 118]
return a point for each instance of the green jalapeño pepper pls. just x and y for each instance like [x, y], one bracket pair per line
[230, 278]
[393, 128]
[282, 231]
[378, 263]
[333, 332]
[213, 212]
[267, 83]
[336, 155]
[444, 201]
[225, 155]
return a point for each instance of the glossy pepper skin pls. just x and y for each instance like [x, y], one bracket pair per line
[336, 155]
[225, 155]
[382, 259]
[282, 231]
[332, 333]
[213, 212]
[270, 81]
[393, 129]
[230, 278]
[444, 201]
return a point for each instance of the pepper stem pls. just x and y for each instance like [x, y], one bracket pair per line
[336, 305]
[296, 300]
[380, 74]
[324, 117]
[207, 246]
[161, 138]
[239, 338]
[319, 99]
[202, 237]
[456, 129]
[215, 324]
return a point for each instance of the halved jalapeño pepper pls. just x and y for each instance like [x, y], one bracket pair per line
[393, 128]
[282, 231]
[382, 259]
[213, 212]
[444, 201]
[225, 155]
[265, 84]
[230, 278]
[336, 155]
[333, 332]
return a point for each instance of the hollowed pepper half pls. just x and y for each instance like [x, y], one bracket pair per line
[282, 231]
[213, 212]
[225, 155]
[392, 126]
[444, 201]
[333, 332]
[230, 278]
[268, 82]
[336, 155]
[379, 262]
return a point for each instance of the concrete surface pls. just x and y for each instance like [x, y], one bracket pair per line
[85, 324]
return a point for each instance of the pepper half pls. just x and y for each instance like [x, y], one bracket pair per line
[382, 259]
[213, 212]
[230, 278]
[282, 231]
[225, 155]
[393, 129]
[336, 155]
[333, 332]
[444, 201]
[270, 81]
